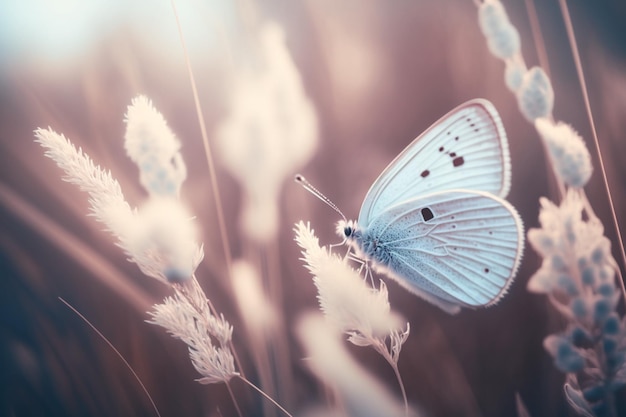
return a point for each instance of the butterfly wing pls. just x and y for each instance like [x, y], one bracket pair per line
[453, 248]
[465, 149]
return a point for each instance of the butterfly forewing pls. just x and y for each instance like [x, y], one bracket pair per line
[465, 149]
[453, 247]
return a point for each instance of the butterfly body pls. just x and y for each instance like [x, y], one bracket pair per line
[435, 220]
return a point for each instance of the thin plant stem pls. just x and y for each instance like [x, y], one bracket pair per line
[117, 352]
[232, 396]
[583, 85]
[281, 344]
[542, 55]
[260, 391]
[261, 353]
[263, 360]
[272, 353]
[267, 355]
[380, 348]
[207, 150]
[406, 402]
[535, 29]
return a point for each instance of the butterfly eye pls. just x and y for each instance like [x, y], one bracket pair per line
[427, 214]
[347, 231]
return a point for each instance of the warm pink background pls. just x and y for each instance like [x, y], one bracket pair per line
[379, 73]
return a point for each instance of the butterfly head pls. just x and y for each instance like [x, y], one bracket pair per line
[347, 229]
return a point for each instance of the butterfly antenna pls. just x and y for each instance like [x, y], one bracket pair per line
[307, 186]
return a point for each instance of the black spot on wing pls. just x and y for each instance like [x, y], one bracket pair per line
[425, 173]
[458, 161]
[427, 214]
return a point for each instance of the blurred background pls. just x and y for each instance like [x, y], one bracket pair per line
[378, 74]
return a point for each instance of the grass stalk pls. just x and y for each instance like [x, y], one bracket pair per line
[382, 350]
[232, 396]
[583, 85]
[535, 29]
[117, 352]
[281, 349]
[207, 150]
[260, 391]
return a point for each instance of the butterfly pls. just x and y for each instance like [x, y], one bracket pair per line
[436, 220]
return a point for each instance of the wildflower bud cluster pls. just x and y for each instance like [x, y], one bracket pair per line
[502, 37]
[532, 87]
[578, 271]
[578, 274]
[535, 96]
[571, 157]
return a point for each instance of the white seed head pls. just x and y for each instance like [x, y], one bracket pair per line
[506, 43]
[492, 17]
[568, 151]
[270, 133]
[190, 320]
[344, 296]
[514, 74]
[154, 148]
[535, 96]
[164, 228]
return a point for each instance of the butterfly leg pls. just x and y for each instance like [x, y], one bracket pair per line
[363, 265]
[368, 274]
[351, 256]
[361, 262]
[334, 245]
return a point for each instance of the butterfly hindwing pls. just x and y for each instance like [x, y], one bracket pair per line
[465, 149]
[453, 248]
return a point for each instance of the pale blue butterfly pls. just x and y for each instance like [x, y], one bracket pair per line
[436, 220]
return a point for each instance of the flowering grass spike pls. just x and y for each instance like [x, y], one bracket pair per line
[578, 274]
[569, 153]
[271, 131]
[349, 304]
[186, 316]
[154, 148]
[359, 392]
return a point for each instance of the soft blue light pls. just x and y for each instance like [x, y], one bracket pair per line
[58, 28]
